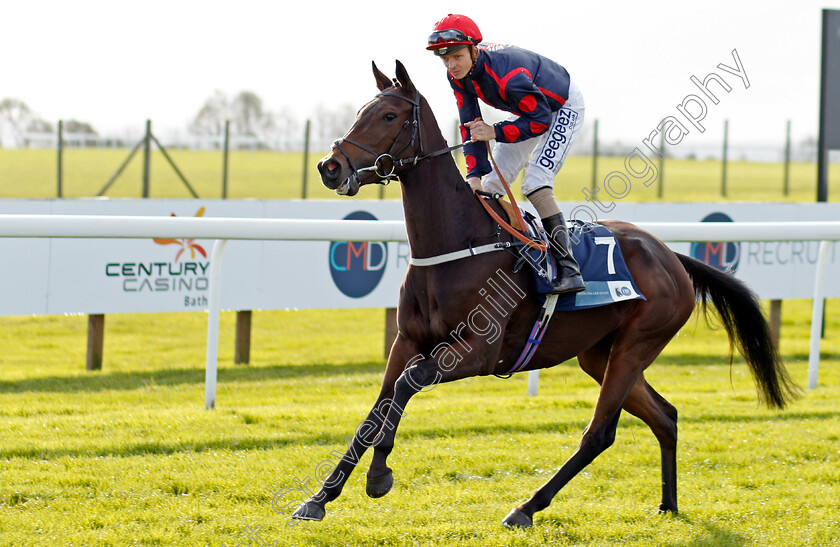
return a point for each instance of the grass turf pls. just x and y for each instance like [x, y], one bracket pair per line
[128, 455]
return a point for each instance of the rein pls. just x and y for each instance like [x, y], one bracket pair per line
[518, 229]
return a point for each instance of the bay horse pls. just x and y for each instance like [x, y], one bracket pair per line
[396, 136]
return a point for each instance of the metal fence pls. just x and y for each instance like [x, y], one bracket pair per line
[589, 144]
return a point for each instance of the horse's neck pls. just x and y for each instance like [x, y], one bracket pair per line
[441, 213]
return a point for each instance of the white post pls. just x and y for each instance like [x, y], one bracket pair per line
[213, 308]
[533, 382]
[817, 315]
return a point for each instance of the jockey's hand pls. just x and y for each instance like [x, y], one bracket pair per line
[480, 131]
[474, 182]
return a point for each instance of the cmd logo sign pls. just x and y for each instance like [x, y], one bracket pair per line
[721, 255]
[357, 267]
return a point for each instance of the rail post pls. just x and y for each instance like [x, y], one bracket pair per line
[661, 187]
[533, 382]
[723, 191]
[242, 344]
[213, 308]
[225, 160]
[305, 158]
[147, 158]
[817, 315]
[96, 341]
[786, 186]
[775, 321]
[60, 146]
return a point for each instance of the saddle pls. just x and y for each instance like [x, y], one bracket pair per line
[595, 249]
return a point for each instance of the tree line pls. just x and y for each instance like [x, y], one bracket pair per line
[245, 111]
[17, 117]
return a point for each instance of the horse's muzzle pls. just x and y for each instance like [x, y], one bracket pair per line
[330, 170]
[334, 176]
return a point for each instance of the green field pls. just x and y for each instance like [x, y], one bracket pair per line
[128, 455]
[272, 175]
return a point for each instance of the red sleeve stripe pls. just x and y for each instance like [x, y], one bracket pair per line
[479, 92]
[554, 96]
[457, 82]
[502, 82]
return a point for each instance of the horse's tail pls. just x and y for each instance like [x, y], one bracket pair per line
[740, 311]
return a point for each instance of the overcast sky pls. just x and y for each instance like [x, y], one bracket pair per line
[115, 64]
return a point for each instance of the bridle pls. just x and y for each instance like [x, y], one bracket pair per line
[385, 166]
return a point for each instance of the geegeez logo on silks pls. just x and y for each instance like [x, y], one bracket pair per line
[721, 255]
[555, 147]
[357, 267]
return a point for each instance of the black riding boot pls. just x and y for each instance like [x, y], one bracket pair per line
[568, 276]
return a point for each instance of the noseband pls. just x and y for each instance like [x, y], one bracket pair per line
[384, 166]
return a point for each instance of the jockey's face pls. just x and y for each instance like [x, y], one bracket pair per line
[459, 63]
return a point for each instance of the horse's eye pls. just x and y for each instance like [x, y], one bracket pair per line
[390, 116]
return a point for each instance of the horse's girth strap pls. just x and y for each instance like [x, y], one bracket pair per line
[456, 255]
[537, 333]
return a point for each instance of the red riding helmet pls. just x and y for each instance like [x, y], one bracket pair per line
[452, 33]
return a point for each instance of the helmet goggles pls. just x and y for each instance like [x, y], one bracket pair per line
[446, 41]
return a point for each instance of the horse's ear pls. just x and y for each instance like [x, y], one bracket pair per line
[403, 78]
[382, 81]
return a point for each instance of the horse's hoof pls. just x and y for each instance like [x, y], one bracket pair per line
[517, 519]
[667, 510]
[309, 510]
[379, 486]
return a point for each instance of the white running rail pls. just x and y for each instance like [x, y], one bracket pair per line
[224, 229]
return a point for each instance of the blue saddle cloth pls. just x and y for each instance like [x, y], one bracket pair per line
[601, 264]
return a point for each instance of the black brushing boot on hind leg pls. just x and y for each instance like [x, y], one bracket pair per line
[568, 275]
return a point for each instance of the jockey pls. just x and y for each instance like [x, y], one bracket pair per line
[546, 111]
